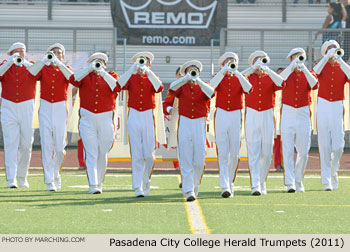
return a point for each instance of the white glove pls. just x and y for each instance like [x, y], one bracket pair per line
[82, 73]
[6, 66]
[124, 78]
[276, 78]
[309, 77]
[206, 89]
[289, 69]
[246, 86]
[46, 61]
[330, 53]
[64, 69]
[175, 85]
[216, 80]
[111, 81]
[169, 109]
[257, 64]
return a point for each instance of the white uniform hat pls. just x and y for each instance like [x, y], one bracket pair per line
[16, 46]
[98, 55]
[296, 50]
[195, 63]
[225, 56]
[142, 54]
[327, 44]
[56, 45]
[254, 55]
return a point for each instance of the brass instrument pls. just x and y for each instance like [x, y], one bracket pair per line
[18, 60]
[97, 65]
[232, 65]
[265, 60]
[142, 60]
[301, 58]
[194, 72]
[50, 56]
[338, 53]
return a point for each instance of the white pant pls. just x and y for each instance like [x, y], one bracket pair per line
[142, 144]
[191, 139]
[295, 131]
[16, 120]
[259, 127]
[228, 141]
[97, 134]
[330, 137]
[53, 136]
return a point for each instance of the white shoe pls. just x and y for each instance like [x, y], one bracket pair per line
[139, 193]
[146, 188]
[226, 193]
[94, 189]
[263, 188]
[12, 183]
[327, 187]
[334, 180]
[51, 187]
[190, 196]
[291, 189]
[57, 182]
[299, 186]
[23, 182]
[256, 191]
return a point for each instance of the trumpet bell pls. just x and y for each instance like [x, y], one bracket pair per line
[18, 60]
[50, 56]
[301, 58]
[142, 60]
[232, 65]
[339, 53]
[265, 60]
[194, 72]
[97, 65]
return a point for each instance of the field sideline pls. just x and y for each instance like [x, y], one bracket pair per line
[73, 211]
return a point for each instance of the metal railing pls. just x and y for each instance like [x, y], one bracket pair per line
[278, 42]
[74, 39]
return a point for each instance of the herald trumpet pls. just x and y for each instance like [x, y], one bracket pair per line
[194, 72]
[338, 53]
[18, 60]
[142, 60]
[50, 56]
[265, 60]
[97, 65]
[232, 66]
[301, 58]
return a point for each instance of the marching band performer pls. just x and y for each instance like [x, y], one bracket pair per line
[295, 118]
[54, 81]
[259, 123]
[143, 91]
[168, 105]
[18, 93]
[332, 73]
[98, 92]
[194, 103]
[229, 85]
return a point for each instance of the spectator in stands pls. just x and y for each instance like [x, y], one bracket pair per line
[333, 21]
[346, 45]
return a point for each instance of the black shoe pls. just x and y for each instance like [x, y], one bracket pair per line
[98, 192]
[226, 194]
[191, 198]
[180, 185]
[13, 187]
[292, 190]
[256, 193]
[140, 196]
